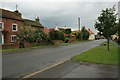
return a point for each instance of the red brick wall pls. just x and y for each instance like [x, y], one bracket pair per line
[10, 46]
[8, 27]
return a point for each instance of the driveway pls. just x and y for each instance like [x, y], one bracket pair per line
[17, 65]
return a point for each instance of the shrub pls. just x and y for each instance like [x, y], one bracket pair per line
[78, 35]
[84, 34]
[67, 31]
[56, 35]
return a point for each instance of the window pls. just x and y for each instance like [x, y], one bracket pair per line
[1, 39]
[13, 38]
[14, 27]
[1, 25]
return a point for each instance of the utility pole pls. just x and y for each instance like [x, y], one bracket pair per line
[79, 24]
[119, 21]
[16, 6]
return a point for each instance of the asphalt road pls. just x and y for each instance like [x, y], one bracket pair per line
[17, 65]
[72, 69]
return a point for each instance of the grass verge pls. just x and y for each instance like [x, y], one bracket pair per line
[100, 55]
[35, 47]
[19, 49]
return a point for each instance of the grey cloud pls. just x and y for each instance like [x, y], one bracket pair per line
[63, 13]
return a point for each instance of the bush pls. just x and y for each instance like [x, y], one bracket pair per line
[66, 40]
[84, 33]
[67, 31]
[56, 35]
[78, 35]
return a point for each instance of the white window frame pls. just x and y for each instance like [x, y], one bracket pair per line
[2, 25]
[2, 38]
[13, 36]
[16, 27]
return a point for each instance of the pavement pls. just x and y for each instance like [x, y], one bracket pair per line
[17, 65]
[72, 69]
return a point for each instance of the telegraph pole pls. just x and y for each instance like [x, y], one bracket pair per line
[119, 20]
[16, 6]
[79, 24]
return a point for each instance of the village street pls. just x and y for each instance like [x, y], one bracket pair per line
[23, 63]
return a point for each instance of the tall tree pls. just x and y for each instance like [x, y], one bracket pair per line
[106, 23]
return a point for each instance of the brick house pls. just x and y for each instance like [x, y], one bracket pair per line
[10, 23]
[33, 23]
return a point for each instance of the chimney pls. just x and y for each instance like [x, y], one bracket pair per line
[37, 19]
[89, 29]
[17, 13]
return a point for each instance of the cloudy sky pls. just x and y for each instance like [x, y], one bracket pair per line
[61, 13]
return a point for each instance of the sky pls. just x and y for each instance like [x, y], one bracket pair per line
[62, 13]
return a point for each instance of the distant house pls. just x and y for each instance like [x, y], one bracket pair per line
[91, 34]
[10, 22]
[46, 30]
[114, 37]
[76, 31]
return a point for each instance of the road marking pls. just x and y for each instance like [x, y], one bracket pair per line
[63, 60]
[34, 73]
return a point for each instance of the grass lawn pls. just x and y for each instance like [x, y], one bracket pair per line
[35, 47]
[19, 49]
[100, 55]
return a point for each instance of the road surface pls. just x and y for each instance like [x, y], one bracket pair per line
[16, 65]
[73, 69]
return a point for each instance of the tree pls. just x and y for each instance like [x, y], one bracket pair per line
[39, 36]
[77, 34]
[26, 33]
[56, 35]
[106, 23]
[84, 33]
[67, 31]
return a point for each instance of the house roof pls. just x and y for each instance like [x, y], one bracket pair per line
[76, 31]
[51, 29]
[46, 30]
[61, 29]
[16, 15]
[90, 31]
[32, 23]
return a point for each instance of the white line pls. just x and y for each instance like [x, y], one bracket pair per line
[34, 73]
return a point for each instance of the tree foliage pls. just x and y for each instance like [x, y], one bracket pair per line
[32, 35]
[67, 31]
[39, 36]
[77, 34]
[27, 33]
[84, 34]
[56, 35]
[106, 23]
